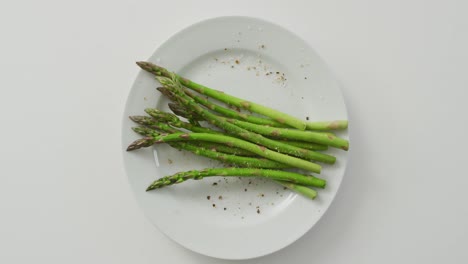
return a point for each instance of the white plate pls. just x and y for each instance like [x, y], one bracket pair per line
[234, 54]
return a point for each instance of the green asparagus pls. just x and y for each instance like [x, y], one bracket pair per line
[229, 141]
[229, 99]
[305, 191]
[151, 123]
[242, 133]
[309, 136]
[181, 111]
[238, 172]
[255, 146]
[226, 158]
[175, 121]
[234, 160]
[222, 110]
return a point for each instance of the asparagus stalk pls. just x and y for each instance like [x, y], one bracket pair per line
[309, 136]
[234, 160]
[277, 116]
[232, 100]
[317, 125]
[242, 133]
[229, 141]
[151, 123]
[307, 192]
[181, 111]
[327, 125]
[229, 159]
[216, 147]
[305, 145]
[237, 172]
[224, 111]
[175, 121]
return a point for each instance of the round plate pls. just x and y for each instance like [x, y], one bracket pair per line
[234, 218]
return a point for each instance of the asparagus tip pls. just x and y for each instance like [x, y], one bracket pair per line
[150, 110]
[131, 147]
[142, 64]
[139, 119]
[140, 143]
[166, 92]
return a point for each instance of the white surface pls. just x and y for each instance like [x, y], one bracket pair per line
[64, 197]
[237, 61]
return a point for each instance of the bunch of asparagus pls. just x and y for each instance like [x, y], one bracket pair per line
[252, 146]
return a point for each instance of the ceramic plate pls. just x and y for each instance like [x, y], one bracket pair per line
[234, 218]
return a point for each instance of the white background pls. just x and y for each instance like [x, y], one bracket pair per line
[66, 68]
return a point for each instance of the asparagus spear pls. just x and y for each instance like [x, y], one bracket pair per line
[230, 159]
[317, 125]
[327, 125]
[309, 136]
[229, 141]
[150, 122]
[216, 147]
[307, 192]
[237, 172]
[175, 121]
[242, 133]
[305, 145]
[251, 106]
[235, 160]
[224, 111]
[181, 111]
